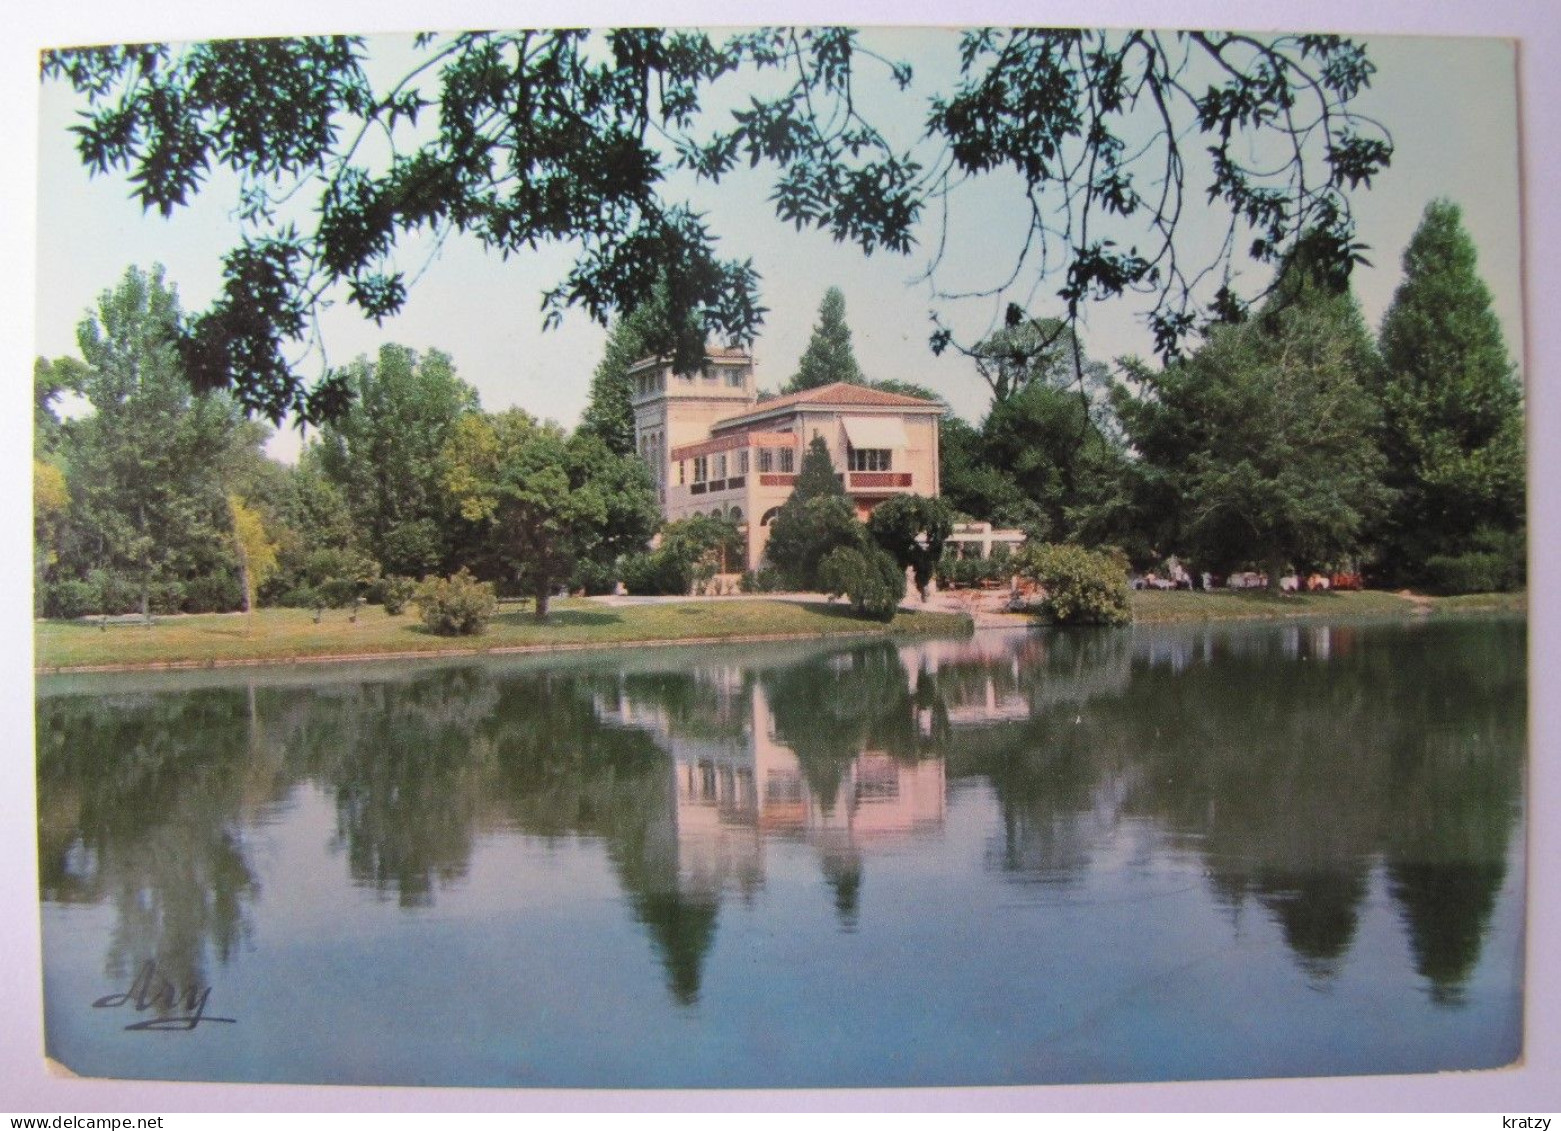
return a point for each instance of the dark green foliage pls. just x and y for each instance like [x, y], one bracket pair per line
[1472, 572]
[1049, 458]
[594, 578]
[1452, 414]
[459, 606]
[1060, 459]
[765, 579]
[145, 471]
[911, 529]
[692, 551]
[872, 579]
[1082, 586]
[828, 357]
[655, 573]
[395, 593]
[541, 502]
[571, 137]
[69, 598]
[335, 577]
[954, 571]
[383, 456]
[206, 593]
[816, 519]
[1260, 448]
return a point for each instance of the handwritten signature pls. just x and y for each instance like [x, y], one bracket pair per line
[151, 990]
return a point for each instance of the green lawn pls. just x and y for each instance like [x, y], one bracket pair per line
[1177, 606]
[288, 634]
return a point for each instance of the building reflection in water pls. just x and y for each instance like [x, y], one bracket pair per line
[1296, 768]
[738, 782]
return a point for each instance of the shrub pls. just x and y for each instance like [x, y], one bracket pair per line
[1082, 586]
[872, 579]
[168, 597]
[767, 579]
[657, 573]
[213, 593]
[395, 593]
[69, 598]
[115, 595]
[300, 597]
[459, 606]
[594, 578]
[1477, 572]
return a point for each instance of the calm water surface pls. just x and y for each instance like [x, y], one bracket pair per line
[1021, 858]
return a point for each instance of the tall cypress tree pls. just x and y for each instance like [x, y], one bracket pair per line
[1453, 417]
[828, 357]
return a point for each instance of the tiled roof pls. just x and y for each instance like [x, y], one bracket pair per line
[841, 393]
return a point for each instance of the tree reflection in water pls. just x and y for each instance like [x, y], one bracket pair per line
[1292, 764]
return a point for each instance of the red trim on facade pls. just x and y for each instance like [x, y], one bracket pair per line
[768, 480]
[864, 479]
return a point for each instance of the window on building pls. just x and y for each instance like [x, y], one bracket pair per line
[766, 459]
[869, 459]
[734, 378]
[720, 466]
[701, 469]
[787, 461]
[681, 479]
[742, 462]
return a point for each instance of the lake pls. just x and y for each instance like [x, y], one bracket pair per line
[1020, 858]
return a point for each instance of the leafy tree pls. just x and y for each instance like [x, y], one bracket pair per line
[1047, 443]
[1036, 350]
[1048, 458]
[972, 486]
[307, 513]
[912, 529]
[145, 466]
[256, 552]
[1263, 442]
[828, 357]
[50, 380]
[383, 453]
[817, 518]
[545, 501]
[569, 136]
[1452, 408]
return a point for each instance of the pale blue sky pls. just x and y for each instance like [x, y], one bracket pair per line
[1450, 104]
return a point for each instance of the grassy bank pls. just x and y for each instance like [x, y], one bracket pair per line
[1176, 607]
[291, 634]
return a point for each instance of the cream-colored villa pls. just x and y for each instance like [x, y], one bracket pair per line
[714, 448]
